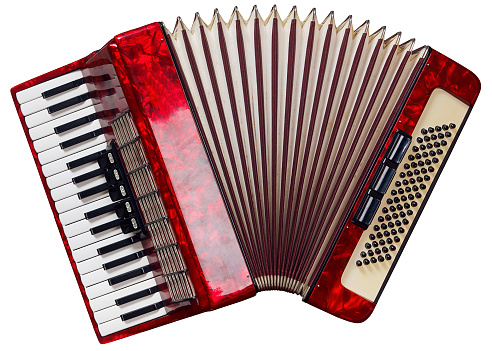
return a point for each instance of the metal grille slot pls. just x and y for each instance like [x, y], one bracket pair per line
[152, 208]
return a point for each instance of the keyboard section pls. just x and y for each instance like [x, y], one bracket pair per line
[111, 212]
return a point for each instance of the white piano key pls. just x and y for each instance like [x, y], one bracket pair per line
[89, 251]
[108, 300]
[97, 262]
[103, 287]
[57, 153]
[44, 116]
[72, 189]
[35, 91]
[36, 105]
[117, 324]
[61, 164]
[66, 176]
[77, 214]
[87, 238]
[48, 128]
[113, 312]
[54, 140]
[85, 225]
[73, 201]
[102, 275]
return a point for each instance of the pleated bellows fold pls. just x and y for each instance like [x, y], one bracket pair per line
[291, 113]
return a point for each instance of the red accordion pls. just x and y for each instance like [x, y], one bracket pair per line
[188, 170]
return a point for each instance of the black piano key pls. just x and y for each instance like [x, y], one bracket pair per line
[101, 228]
[118, 245]
[136, 296]
[122, 209]
[67, 103]
[99, 211]
[92, 191]
[81, 138]
[89, 175]
[141, 311]
[124, 259]
[129, 275]
[76, 123]
[86, 159]
[62, 88]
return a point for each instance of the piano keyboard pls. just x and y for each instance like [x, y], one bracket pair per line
[107, 202]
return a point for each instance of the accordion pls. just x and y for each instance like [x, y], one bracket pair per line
[189, 169]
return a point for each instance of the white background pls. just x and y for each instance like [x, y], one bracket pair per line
[439, 295]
